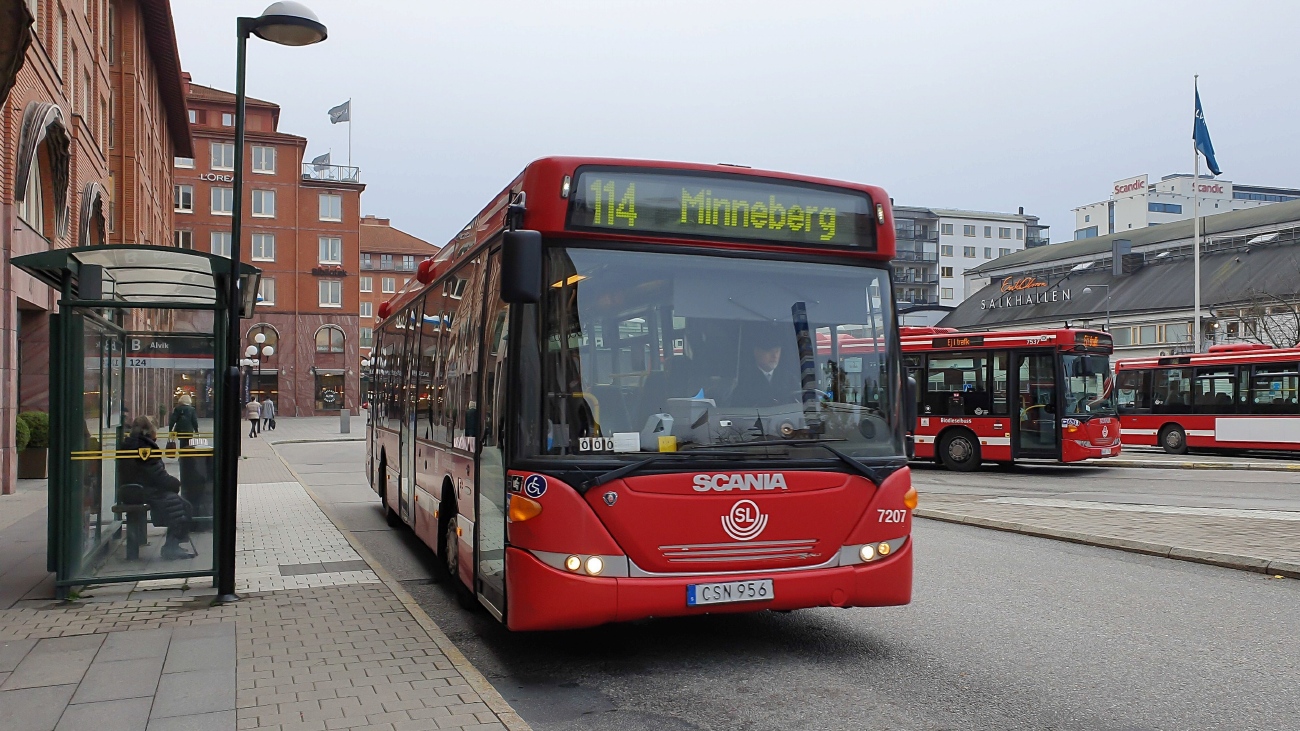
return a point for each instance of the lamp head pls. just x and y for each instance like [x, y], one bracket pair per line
[289, 24]
[259, 338]
[250, 351]
[268, 350]
[1087, 290]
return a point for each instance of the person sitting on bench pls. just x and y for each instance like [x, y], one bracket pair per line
[161, 489]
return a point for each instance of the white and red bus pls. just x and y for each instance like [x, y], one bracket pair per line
[1239, 396]
[1007, 396]
[614, 396]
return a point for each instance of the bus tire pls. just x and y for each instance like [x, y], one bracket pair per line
[1173, 439]
[449, 543]
[959, 450]
[390, 516]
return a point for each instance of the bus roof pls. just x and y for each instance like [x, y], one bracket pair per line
[548, 209]
[1234, 356]
[920, 339]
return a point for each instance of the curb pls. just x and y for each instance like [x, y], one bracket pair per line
[491, 698]
[1254, 564]
[1153, 464]
[322, 440]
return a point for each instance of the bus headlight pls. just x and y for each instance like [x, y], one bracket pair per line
[595, 565]
[867, 552]
[573, 563]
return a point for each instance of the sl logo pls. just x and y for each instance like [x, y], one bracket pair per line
[744, 521]
[1105, 431]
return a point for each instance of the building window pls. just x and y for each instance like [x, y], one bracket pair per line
[59, 20]
[223, 201]
[386, 262]
[331, 295]
[1004, 232]
[945, 271]
[182, 197]
[968, 252]
[945, 293]
[1020, 234]
[967, 230]
[183, 239]
[367, 310]
[366, 337]
[264, 203]
[331, 250]
[408, 263]
[331, 207]
[946, 250]
[193, 117]
[388, 285]
[263, 247]
[227, 119]
[183, 162]
[31, 208]
[1003, 251]
[221, 243]
[263, 159]
[988, 252]
[945, 229]
[329, 339]
[1122, 336]
[1085, 233]
[367, 284]
[223, 155]
[988, 232]
[266, 291]
[1164, 208]
[367, 262]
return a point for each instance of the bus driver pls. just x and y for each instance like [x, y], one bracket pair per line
[764, 381]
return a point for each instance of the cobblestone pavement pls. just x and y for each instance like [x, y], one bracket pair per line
[318, 641]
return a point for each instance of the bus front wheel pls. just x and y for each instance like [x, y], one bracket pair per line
[451, 563]
[959, 451]
[1173, 439]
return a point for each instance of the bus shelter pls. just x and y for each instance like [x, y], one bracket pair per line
[137, 357]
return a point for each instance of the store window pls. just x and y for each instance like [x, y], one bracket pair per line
[329, 339]
[329, 391]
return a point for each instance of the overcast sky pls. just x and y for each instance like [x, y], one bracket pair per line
[985, 106]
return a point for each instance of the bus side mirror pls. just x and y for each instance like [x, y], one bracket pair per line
[521, 267]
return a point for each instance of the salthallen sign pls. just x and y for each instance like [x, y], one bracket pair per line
[1025, 291]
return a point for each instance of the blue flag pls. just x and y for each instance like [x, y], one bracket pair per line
[1201, 134]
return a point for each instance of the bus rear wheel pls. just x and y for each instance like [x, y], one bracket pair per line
[959, 451]
[1173, 439]
[390, 516]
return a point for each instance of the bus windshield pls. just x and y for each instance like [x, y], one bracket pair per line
[660, 352]
[1088, 383]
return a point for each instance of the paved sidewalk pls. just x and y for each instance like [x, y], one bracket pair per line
[314, 429]
[319, 641]
[1266, 541]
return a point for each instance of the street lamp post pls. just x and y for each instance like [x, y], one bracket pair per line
[289, 24]
[1088, 290]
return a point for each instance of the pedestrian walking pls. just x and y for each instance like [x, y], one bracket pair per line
[184, 422]
[253, 412]
[268, 413]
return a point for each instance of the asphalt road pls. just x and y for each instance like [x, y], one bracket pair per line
[1004, 632]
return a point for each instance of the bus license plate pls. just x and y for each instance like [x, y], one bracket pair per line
[729, 591]
[1105, 452]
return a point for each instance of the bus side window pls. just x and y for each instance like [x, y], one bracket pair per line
[957, 385]
[1171, 391]
[1216, 390]
[1134, 388]
[1273, 389]
[1000, 362]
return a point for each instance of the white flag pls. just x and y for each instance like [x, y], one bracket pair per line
[341, 113]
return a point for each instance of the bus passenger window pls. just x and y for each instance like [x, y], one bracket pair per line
[1171, 391]
[957, 385]
[1273, 389]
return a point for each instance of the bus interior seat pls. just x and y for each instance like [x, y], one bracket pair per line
[613, 409]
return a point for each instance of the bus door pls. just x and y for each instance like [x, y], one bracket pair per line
[490, 492]
[406, 434]
[1036, 407]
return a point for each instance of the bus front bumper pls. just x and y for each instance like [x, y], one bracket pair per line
[544, 598]
[1074, 451]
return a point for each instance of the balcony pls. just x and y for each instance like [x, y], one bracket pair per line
[913, 234]
[905, 255]
[911, 278]
[915, 299]
[331, 173]
[1033, 241]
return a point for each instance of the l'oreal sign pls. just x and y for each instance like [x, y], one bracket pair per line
[1025, 291]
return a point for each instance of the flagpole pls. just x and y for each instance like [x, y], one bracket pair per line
[1196, 229]
[349, 132]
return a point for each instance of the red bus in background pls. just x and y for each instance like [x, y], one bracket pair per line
[1239, 396]
[614, 395]
[1004, 396]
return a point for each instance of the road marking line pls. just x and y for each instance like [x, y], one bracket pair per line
[1287, 515]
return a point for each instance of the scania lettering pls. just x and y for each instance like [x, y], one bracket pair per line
[567, 404]
[1010, 396]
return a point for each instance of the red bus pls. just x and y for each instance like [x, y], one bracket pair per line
[615, 395]
[1005, 396]
[1234, 397]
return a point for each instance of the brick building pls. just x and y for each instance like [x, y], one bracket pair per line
[87, 134]
[389, 257]
[300, 228]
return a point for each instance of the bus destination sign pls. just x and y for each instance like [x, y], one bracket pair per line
[958, 341]
[696, 205]
[1093, 341]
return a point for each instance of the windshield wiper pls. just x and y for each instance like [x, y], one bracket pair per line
[763, 443]
[876, 475]
[628, 469]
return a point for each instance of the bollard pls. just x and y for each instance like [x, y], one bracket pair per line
[345, 421]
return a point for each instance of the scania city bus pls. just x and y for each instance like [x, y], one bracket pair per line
[1004, 396]
[604, 399]
[1237, 396]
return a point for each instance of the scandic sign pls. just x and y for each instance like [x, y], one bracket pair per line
[1139, 184]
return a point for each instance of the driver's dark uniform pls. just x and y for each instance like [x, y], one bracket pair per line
[754, 388]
